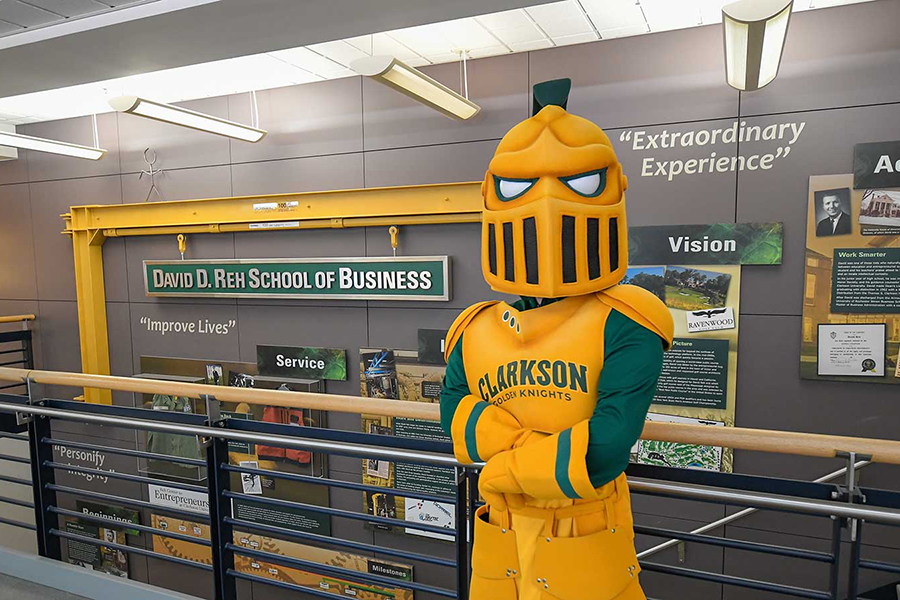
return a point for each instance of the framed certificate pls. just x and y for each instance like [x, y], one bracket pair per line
[852, 349]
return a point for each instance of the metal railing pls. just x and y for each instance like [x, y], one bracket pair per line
[840, 507]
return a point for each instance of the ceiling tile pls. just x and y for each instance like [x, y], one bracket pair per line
[664, 15]
[488, 51]
[308, 60]
[579, 38]
[536, 45]
[560, 18]
[466, 34]
[444, 58]
[70, 8]
[613, 14]
[9, 28]
[608, 34]
[24, 15]
[504, 20]
[339, 51]
[426, 40]
[382, 43]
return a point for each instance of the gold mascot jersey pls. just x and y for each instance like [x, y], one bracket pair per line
[543, 367]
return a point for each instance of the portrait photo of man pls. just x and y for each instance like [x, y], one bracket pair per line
[833, 212]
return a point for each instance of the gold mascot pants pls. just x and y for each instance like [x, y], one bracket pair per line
[562, 550]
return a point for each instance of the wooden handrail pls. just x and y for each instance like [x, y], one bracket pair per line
[16, 318]
[761, 440]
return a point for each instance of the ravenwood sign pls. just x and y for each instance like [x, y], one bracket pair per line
[389, 278]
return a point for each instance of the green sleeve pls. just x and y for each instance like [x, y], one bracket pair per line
[456, 387]
[627, 385]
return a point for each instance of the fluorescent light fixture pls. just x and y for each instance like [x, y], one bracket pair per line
[7, 153]
[755, 31]
[27, 142]
[176, 115]
[415, 84]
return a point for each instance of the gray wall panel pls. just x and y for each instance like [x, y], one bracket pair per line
[499, 85]
[340, 172]
[669, 77]
[24, 307]
[184, 345]
[61, 349]
[178, 184]
[687, 198]
[179, 578]
[443, 163]
[43, 166]
[15, 171]
[307, 120]
[704, 558]
[176, 147]
[53, 251]
[397, 328]
[777, 569]
[17, 244]
[825, 147]
[843, 56]
[768, 387]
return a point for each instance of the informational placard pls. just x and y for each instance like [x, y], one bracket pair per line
[401, 375]
[712, 319]
[855, 350]
[716, 244]
[876, 164]
[851, 277]
[179, 499]
[431, 346]
[365, 278]
[674, 454]
[302, 362]
[866, 280]
[694, 373]
[429, 512]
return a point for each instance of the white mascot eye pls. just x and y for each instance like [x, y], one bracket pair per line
[508, 189]
[586, 185]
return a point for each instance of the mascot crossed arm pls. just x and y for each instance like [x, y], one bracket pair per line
[552, 391]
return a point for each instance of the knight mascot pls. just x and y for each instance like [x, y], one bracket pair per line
[551, 391]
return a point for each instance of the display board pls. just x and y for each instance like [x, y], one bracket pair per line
[332, 585]
[399, 375]
[698, 383]
[301, 462]
[851, 285]
[104, 559]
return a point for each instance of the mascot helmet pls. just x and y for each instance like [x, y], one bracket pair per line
[554, 205]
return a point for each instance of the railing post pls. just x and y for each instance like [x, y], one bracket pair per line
[221, 533]
[462, 534]
[472, 476]
[835, 571]
[855, 551]
[41, 453]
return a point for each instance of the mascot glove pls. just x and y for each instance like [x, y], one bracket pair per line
[548, 468]
[480, 430]
[497, 483]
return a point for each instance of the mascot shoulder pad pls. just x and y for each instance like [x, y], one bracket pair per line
[461, 322]
[642, 307]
